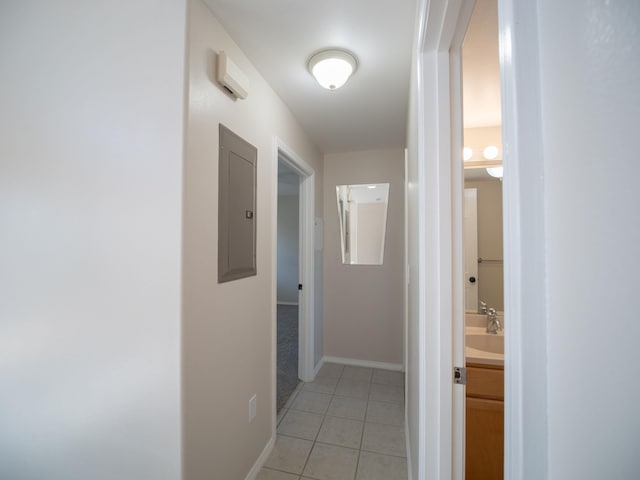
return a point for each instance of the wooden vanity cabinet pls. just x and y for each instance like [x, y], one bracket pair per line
[484, 451]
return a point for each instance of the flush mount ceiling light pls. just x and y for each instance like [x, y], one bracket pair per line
[332, 68]
[467, 153]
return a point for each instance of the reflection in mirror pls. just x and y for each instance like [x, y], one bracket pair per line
[483, 240]
[362, 214]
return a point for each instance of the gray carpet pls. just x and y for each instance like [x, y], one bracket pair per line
[287, 353]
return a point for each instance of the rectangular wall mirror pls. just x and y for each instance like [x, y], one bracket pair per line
[362, 215]
[483, 240]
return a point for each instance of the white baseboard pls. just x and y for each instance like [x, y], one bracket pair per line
[362, 363]
[253, 473]
[287, 303]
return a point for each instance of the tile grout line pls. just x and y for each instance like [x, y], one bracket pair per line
[364, 424]
[325, 414]
[313, 445]
[355, 474]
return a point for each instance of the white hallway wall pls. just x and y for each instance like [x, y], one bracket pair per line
[92, 160]
[228, 329]
[90, 198]
[363, 312]
[590, 111]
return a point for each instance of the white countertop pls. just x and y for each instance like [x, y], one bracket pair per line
[473, 355]
[476, 325]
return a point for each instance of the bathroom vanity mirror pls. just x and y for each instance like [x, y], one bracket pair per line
[484, 273]
[362, 215]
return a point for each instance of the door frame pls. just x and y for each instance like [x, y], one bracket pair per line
[306, 275]
[525, 308]
[441, 28]
[441, 31]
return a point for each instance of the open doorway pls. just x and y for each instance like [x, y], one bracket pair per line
[287, 307]
[295, 273]
[483, 246]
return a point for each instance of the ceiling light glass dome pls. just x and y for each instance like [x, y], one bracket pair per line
[332, 68]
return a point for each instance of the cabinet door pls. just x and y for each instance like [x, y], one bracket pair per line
[485, 382]
[485, 439]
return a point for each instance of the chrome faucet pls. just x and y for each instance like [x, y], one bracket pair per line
[493, 324]
[483, 307]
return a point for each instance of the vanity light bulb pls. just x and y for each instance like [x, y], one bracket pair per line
[491, 152]
[467, 153]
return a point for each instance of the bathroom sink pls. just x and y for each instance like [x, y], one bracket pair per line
[486, 342]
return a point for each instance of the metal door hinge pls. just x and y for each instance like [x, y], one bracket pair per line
[460, 375]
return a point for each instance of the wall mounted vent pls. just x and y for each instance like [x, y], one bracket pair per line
[231, 77]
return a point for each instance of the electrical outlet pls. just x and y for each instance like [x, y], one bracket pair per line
[252, 408]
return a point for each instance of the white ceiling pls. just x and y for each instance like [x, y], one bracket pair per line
[279, 37]
[369, 112]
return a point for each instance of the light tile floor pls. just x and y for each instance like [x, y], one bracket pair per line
[346, 425]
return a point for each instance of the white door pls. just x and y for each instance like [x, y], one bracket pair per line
[470, 232]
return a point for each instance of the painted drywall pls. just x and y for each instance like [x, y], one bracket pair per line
[490, 274]
[229, 328]
[363, 304]
[91, 139]
[288, 229]
[590, 108]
